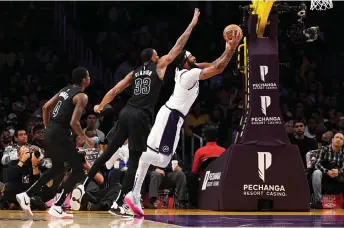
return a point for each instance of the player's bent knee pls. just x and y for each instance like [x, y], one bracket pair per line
[147, 157]
[155, 158]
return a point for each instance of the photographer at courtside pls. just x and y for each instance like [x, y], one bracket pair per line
[11, 152]
[20, 176]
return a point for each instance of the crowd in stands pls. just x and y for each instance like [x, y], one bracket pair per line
[33, 68]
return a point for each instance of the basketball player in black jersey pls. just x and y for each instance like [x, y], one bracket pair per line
[60, 114]
[136, 117]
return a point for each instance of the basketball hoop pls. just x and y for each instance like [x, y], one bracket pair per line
[321, 4]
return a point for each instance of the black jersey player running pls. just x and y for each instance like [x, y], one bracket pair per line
[61, 113]
[136, 117]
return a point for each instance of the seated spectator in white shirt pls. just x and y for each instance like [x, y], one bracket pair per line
[91, 124]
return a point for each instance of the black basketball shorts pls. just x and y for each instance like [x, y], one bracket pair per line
[133, 124]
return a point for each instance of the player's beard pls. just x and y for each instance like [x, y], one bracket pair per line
[192, 64]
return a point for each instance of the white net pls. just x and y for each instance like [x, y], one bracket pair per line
[321, 4]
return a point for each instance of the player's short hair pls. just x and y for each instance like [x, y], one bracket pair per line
[78, 75]
[180, 59]
[147, 54]
[210, 133]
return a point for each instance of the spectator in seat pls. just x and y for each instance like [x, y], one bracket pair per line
[289, 128]
[91, 124]
[38, 135]
[211, 149]
[21, 176]
[329, 167]
[310, 129]
[166, 178]
[5, 139]
[325, 139]
[341, 123]
[311, 158]
[10, 152]
[304, 143]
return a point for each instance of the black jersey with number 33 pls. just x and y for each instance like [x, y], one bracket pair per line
[146, 87]
[63, 110]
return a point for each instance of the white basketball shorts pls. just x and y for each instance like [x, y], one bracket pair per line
[164, 137]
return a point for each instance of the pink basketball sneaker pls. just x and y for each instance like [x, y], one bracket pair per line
[134, 203]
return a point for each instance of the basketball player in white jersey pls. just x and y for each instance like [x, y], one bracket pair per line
[164, 136]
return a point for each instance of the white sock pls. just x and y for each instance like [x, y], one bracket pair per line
[140, 177]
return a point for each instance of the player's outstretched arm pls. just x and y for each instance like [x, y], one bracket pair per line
[117, 89]
[220, 64]
[178, 47]
[206, 64]
[48, 107]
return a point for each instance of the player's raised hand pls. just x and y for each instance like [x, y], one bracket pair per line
[234, 42]
[98, 108]
[195, 17]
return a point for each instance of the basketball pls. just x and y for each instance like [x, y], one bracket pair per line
[229, 31]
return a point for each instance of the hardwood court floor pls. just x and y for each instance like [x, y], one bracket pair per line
[178, 218]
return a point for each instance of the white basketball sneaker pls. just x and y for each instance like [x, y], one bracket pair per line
[24, 202]
[58, 212]
[75, 199]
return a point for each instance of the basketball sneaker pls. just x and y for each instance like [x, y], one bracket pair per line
[24, 202]
[58, 212]
[75, 199]
[123, 210]
[134, 203]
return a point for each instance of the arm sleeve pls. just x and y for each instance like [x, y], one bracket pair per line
[189, 78]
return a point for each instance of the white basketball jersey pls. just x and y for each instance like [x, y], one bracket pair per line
[185, 91]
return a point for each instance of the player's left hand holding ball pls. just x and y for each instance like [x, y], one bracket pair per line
[98, 108]
[234, 41]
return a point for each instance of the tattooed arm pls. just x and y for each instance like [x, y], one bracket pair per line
[218, 65]
[178, 47]
[206, 64]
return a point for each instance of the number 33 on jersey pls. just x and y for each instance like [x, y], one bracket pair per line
[142, 86]
[146, 87]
